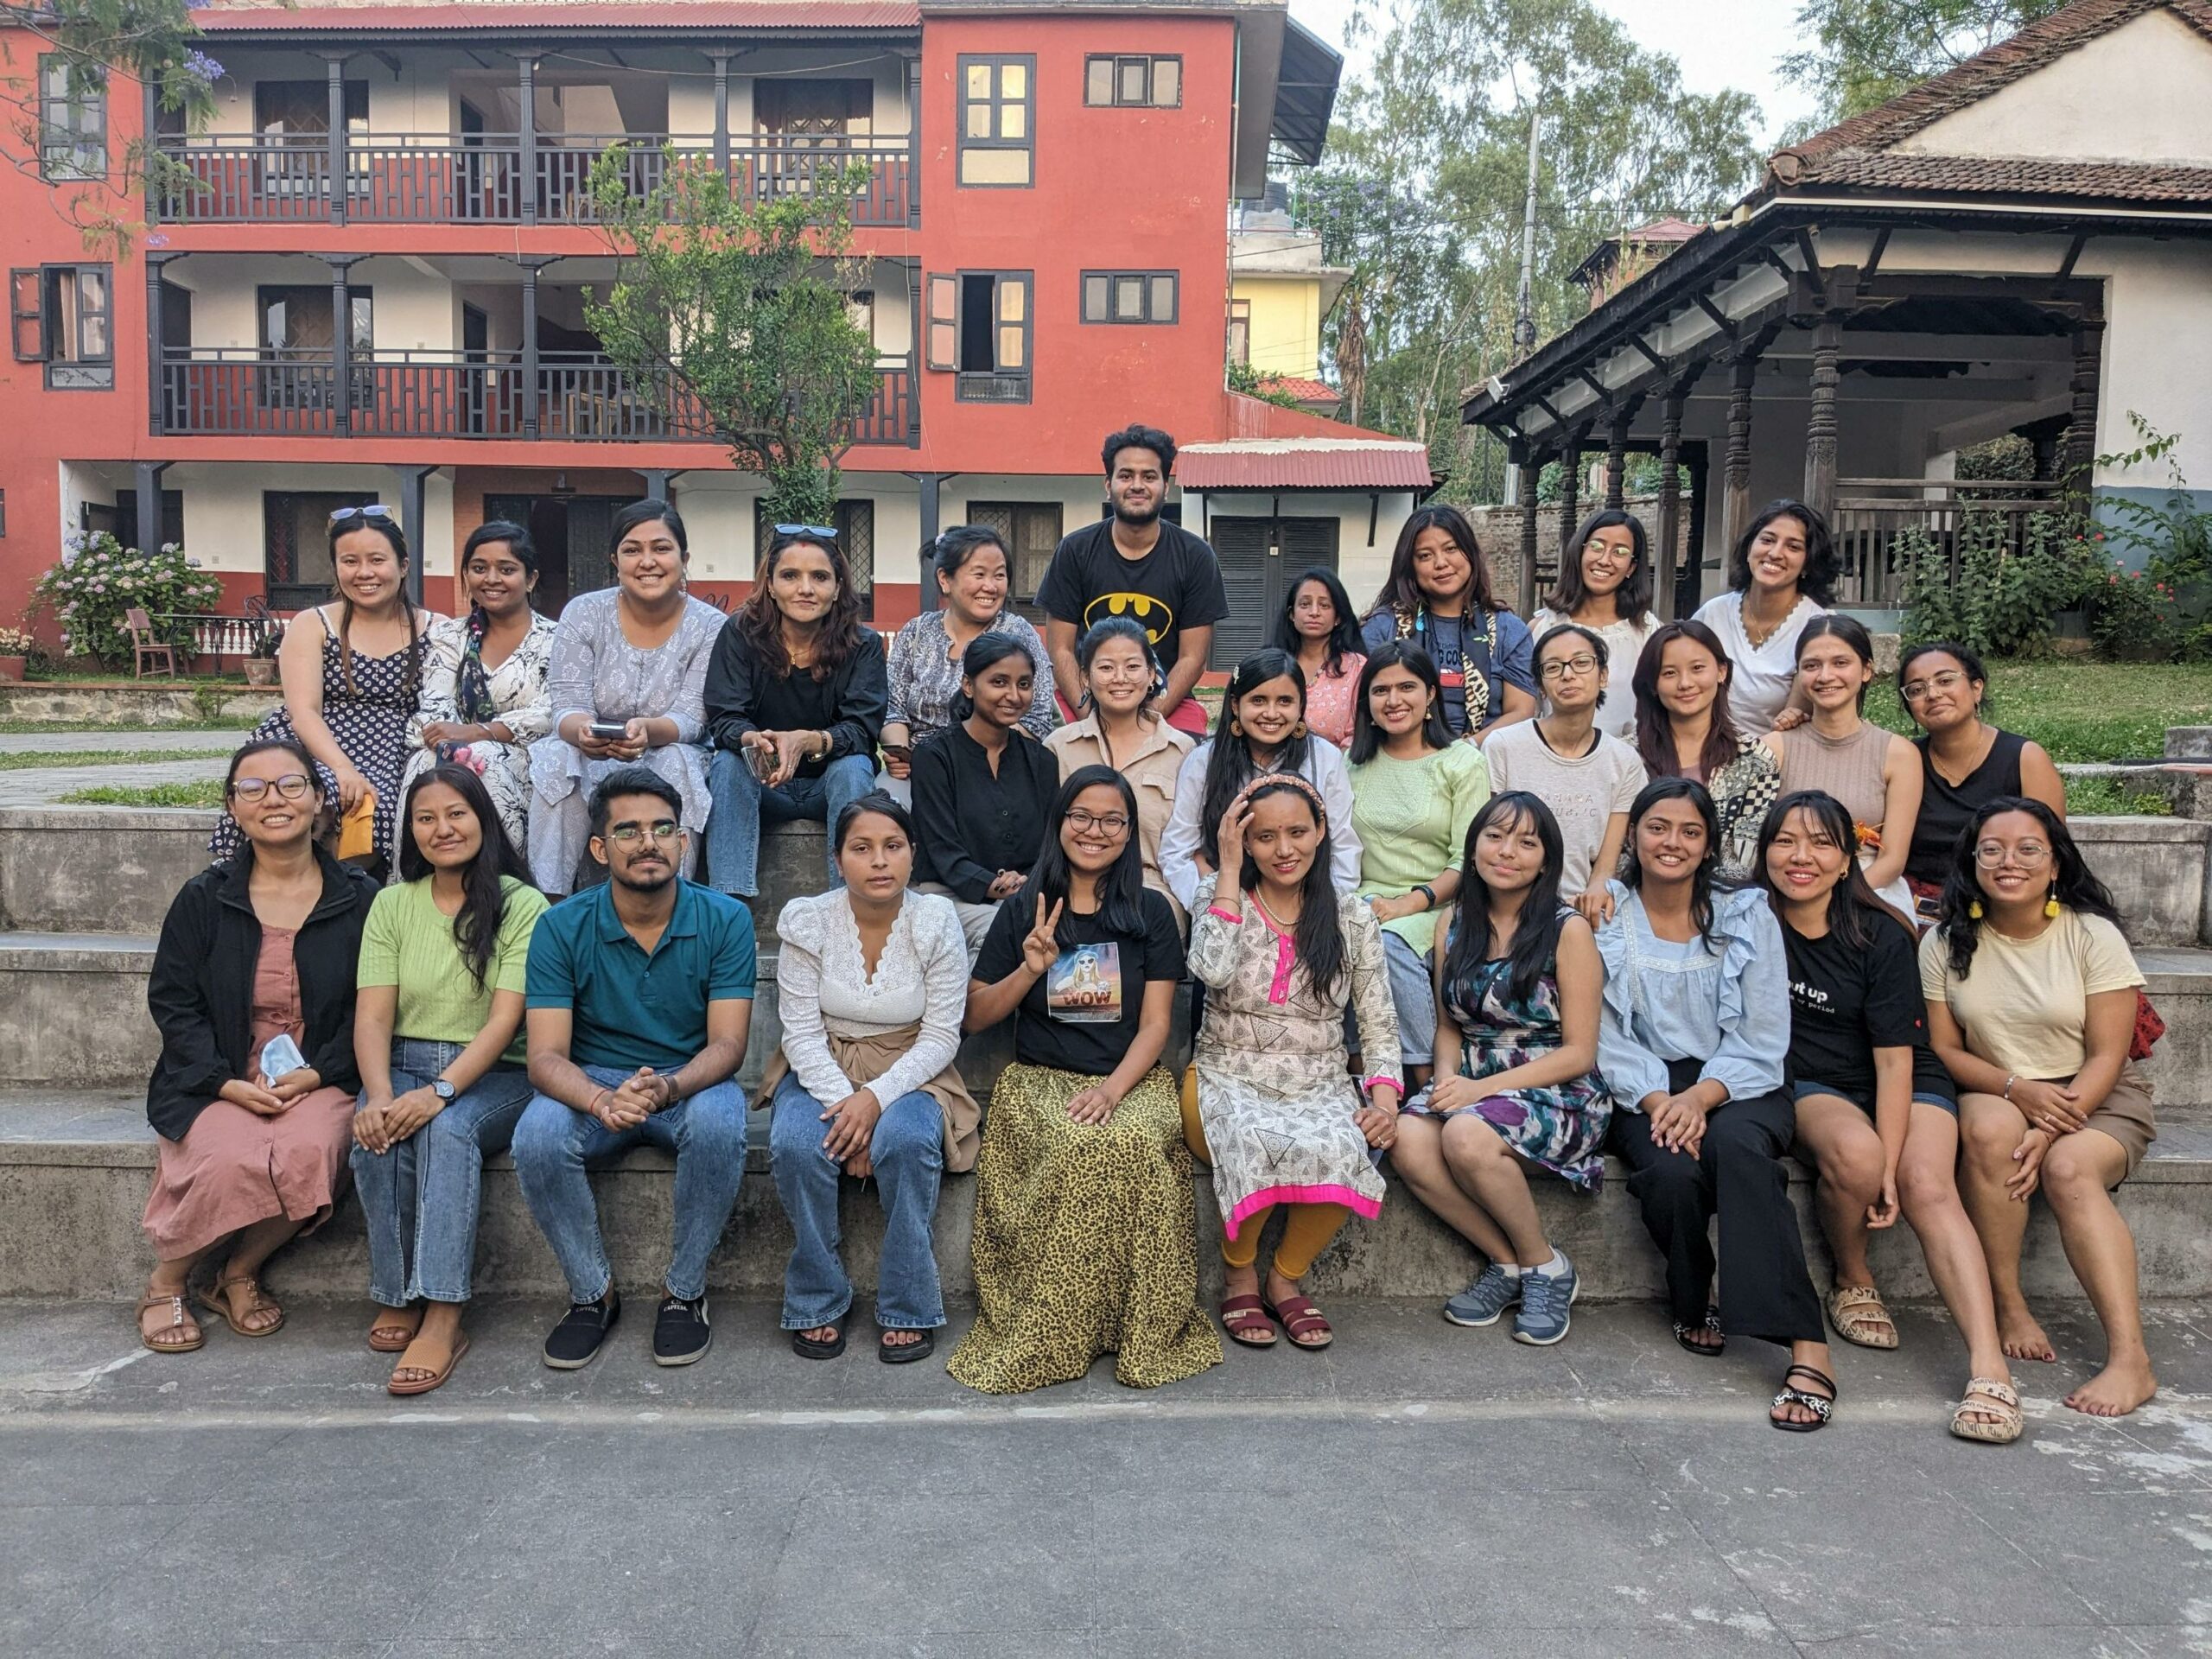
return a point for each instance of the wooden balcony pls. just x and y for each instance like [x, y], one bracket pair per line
[1881, 524]
[494, 179]
[569, 397]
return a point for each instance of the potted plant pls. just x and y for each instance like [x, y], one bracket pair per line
[261, 655]
[14, 653]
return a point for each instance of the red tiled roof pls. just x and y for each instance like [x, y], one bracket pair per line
[812, 16]
[2005, 175]
[1304, 464]
[1305, 389]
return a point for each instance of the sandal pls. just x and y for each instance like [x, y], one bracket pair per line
[1245, 1318]
[169, 1339]
[438, 1376]
[1820, 1407]
[1985, 1397]
[394, 1337]
[1858, 1316]
[807, 1348]
[1300, 1318]
[906, 1353]
[217, 1300]
[1703, 1350]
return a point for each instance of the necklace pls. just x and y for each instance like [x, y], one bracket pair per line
[1759, 636]
[1280, 926]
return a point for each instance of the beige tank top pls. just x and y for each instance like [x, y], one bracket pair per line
[1849, 768]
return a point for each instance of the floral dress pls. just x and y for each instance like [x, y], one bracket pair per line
[1561, 1127]
[458, 690]
[368, 718]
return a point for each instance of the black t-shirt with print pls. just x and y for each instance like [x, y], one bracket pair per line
[1083, 1014]
[1845, 1003]
[1176, 586]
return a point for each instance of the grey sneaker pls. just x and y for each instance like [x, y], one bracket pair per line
[1545, 1301]
[1482, 1302]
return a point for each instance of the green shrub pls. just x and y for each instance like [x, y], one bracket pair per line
[98, 579]
[2132, 618]
[2003, 597]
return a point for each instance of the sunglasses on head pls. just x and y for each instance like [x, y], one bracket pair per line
[812, 532]
[377, 510]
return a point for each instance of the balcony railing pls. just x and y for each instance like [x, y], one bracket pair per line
[1883, 524]
[491, 178]
[572, 396]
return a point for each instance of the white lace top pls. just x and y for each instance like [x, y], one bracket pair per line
[821, 984]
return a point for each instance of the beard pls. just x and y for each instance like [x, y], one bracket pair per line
[648, 880]
[1150, 515]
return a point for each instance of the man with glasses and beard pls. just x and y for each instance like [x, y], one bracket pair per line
[639, 1002]
[1136, 564]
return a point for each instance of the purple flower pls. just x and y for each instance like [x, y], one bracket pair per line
[200, 67]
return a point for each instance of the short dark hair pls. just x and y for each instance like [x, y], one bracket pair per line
[1590, 637]
[631, 780]
[651, 511]
[1823, 564]
[291, 745]
[1138, 436]
[1633, 597]
[874, 801]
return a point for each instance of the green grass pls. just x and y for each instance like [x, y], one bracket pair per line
[206, 792]
[2083, 710]
[2103, 797]
[40, 759]
[126, 727]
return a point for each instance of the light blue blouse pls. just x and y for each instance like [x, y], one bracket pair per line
[1728, 1006]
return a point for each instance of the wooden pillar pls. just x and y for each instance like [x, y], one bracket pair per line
[149, 117]
[931, 514]
[1570, 489]
[2080, 453]
[526, 86]
[1616, 458]
[721, 111]
[914, 141]
[1735, 486]
[531, 415]
[1689, 590]
[341, 342]
[410, 520]
[1821, 423]
[146, 484]
[338, 137]
[1532, 468]
[1664, 579]
[156, 372]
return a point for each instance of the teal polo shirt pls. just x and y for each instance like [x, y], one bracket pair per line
[630, 1009]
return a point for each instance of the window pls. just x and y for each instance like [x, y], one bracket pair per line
[72, 118]
[1133, 83]
[1031, 530]
[979, 327]
[855, 523]
[997, 134]
[1240, 332]
[60, 315]
[122, 519]
[1129, 295]
[295, 545]
[295, 321]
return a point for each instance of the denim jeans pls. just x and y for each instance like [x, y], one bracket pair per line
[908, 1153]
[421, 1197]
[740, 804]
[556, 1145]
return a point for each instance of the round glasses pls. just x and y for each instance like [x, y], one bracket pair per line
[2029, 854]
[660, 830]
[1560, 668]
[1109, 824]
[290, 787]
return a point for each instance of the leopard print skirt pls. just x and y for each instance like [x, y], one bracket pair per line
[1084, 1240]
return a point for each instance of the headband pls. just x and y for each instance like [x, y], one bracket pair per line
[1288, 780]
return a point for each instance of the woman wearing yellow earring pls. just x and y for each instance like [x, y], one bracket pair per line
[2032, 1005]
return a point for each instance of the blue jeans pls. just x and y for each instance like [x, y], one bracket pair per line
[908, 1152]
[740, 804]
[556, 1145]
[421, 1197]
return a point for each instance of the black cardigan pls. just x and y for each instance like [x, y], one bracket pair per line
[201, 991]
[969, 825]
[848, 705]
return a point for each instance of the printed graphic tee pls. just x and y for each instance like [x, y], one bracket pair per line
[1844, 1004]
[1082, 1015]
[1176, 586]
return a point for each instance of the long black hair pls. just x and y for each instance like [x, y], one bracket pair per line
[985, 649]
[1855, 912]
[1366, 736]
[1536, 934]
[388, 527]
[483, 898]
[1654, 732]
[760, 621]
[2072, 882]
[1228, 762]
[1823, 565]
[1701, 879]
[1343, 638]
[1318, 935]
[1633, 599]
[1402, 595]
[1120, 889]
[1851, 631]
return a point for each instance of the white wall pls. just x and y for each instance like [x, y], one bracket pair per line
[2157, 355]
[223, 508]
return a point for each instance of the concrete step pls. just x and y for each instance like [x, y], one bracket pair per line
[98, 869]
[75, 1166]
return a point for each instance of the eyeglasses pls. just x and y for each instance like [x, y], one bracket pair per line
[375, 510]
[290, 787]
[2029, 854]
[1560, 668]
[813, 533]
[1949, 680]
[1109, 824]
[659, 830]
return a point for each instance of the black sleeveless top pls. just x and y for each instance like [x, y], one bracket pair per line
[1945, 808]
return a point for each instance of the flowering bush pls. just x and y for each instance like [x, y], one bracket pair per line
[2132, 615]
[98, 579]
[14, 642]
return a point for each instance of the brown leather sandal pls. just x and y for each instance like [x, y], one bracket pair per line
[393, 1337]
[217, 1300]
[423, 1385]
[1245, 1318]
[1300, 1319]
[167, 1340]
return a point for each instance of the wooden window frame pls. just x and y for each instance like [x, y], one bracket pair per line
[967, 382]
[997, 63]
[72, 123]
[36, 324]
[1151, 100]
[1146, 319]
[1240, 314]
[1016, 596]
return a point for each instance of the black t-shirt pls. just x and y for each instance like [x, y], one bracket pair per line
[1083, 1014]
[1845, 1003]
[1176, 586]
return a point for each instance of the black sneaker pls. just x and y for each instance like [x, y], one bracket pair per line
[680, 1332]
[575, 1341]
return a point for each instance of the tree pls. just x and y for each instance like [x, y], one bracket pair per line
[1866, 52]
[1422, 194]
[732, 313]
[78, 51]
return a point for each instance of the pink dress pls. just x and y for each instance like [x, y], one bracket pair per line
[235, 1167]
[1329, 701]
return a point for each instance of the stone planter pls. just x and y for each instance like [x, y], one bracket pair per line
[11, 668]
[261, 672]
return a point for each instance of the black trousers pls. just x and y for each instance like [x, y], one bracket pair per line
[1740, 1176]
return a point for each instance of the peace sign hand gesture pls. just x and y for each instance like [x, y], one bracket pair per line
[1041, 948]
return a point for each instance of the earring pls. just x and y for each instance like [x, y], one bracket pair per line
[1235, 727]
[1298, 731]
[2050, 905]
[1974, 909]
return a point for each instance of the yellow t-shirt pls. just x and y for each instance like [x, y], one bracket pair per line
[2024, 1005]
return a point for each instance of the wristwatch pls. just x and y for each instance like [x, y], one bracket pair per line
[444, 1091]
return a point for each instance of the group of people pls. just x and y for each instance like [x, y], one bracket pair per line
[1449, 896]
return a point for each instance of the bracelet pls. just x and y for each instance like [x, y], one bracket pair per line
[1427, 892]
[2011, 1078]
[591, 1109]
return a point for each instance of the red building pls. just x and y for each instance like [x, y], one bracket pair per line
[371, 288]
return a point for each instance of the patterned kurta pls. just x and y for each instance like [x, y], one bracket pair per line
[517, 700]
[1274, 1096]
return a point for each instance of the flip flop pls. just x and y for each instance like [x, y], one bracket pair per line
[218, 1302]
[459, 1347]
[1245, 1318]
[1858, 1316]
[1986, 1397]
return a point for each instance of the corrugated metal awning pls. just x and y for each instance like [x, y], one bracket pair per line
[1304, 464]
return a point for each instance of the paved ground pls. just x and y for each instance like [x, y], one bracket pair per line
[44, 785]
[58, 742]
[1418, 1490]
